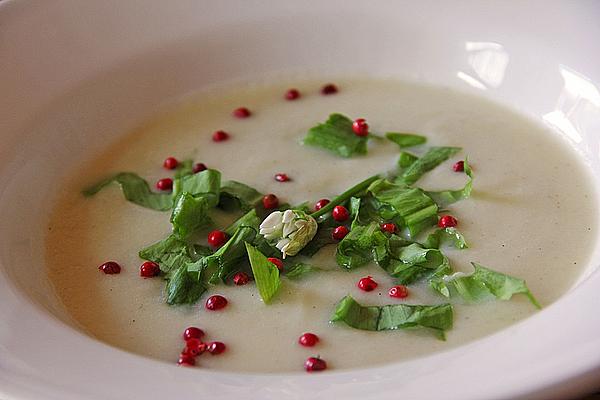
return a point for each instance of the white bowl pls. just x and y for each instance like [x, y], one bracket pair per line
[75, 75]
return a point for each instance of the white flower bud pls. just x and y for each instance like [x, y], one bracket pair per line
[289, 231]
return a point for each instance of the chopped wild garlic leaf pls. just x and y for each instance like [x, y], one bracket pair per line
[236, 195]
[364, 210]
[206, 184]
[447, 197]
[408, 207]
[266, 274]
[405, 160]
[189, 214]
[170, 253]
[249, 219]
[183, 287]
[136, 190]
[391, 317]
[405, 139]
[445, 235]
[434, 157]
[300, 270]
[484, 283]
[336, 135]
[360, 246]
[412, 262]
[227, 259]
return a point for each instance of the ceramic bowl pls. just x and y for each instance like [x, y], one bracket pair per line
[75, 75]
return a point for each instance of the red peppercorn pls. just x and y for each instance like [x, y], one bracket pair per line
[321, 203]
[398, 292]
[241, 278]
[314, 364]
[388, 227]
[241, 112]
[447, 221]
[216, 302]
[459, 166]
[360, 127]
[110, 267]
[330, 88]
[217, 238]
[194, 347]
[215, 348]
[164, 184]
[340, 213]
[149, 269]
[170, 163]
[199, 167]
[220, 136]
[292, 94]
[367, 284]
[278, 263]
[192, 333]
[186, 360]
[308, 339]
[270, 202]
[339, 232]
[282, 177]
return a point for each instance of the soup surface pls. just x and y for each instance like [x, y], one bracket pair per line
[532, 215]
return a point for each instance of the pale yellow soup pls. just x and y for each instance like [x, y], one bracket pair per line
[532, 214]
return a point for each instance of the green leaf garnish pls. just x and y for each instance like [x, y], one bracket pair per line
[364, 210]
[171, 253]
[409, 207]
[412, 262]
[405, 160]
[434, 157]
[300, 270]
[228, 258]
[397, 316]
[189, 214]
[483, 283]
[183, 287]
[206, 184]
[249, 219]
[236, 195]
[355, 190]
[336, 135]
[405, 139]
[266, 274]
[445, 235]
[447, 197]
[136, 190]
[360, 245]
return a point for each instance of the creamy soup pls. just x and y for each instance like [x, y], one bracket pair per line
[532, 215]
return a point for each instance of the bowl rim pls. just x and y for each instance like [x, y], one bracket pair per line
[21, 377]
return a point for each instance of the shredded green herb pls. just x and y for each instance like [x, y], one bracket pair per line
[265, 273]
[447, 197]
[301, 270]
[136, 190]
[445, 235]
[391, 317]
[407, 206]
[484, 283]
[434, 157]
[336, 136]
[405, 139]
[236, 195]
